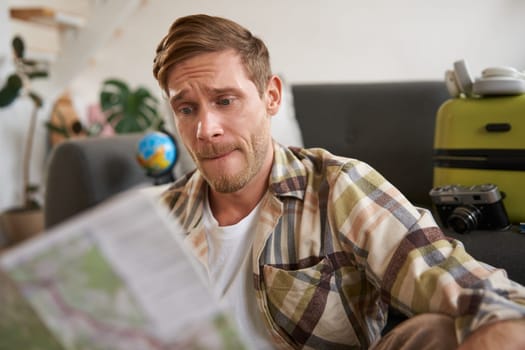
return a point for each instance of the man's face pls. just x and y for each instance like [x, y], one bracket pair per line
[221, 118]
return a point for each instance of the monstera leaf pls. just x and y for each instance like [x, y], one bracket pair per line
[127, 110]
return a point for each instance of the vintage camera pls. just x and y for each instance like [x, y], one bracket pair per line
[469, 208]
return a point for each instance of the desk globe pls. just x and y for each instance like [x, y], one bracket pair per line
[157, 154]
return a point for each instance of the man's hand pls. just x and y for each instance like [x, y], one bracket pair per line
[501, 335]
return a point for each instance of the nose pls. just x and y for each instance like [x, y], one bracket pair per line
[209, 126]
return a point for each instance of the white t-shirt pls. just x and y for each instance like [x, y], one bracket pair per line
[231, 274]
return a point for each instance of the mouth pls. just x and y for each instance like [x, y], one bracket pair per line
[217, 156]
[209, 156]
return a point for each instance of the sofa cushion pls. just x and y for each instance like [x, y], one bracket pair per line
[388, 125]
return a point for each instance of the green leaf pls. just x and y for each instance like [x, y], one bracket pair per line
[114, 93]
[127, 125]
[114, 117]
[10, 90]
[119, 84]
[57, 129]
[32, 204]
[152, 112]
[161, 124]
[18, 47]
[142, 92]
[127, 110]
[32, 188]
[94, 129]
[38, 74]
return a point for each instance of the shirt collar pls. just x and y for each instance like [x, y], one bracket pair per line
[288, 176]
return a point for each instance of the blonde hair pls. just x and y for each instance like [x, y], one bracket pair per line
[197, 34]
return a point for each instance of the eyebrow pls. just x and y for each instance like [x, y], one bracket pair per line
[226, 90]
[213, 91]
[177, 97]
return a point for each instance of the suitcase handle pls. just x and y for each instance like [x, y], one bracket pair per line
[498, 127]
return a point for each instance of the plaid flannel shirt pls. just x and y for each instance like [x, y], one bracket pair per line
[336, 244]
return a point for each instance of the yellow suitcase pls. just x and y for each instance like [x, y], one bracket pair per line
[482, 140]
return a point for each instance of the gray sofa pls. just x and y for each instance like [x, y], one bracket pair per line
[388, 125]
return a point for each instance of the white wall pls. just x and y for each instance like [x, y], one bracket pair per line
[314, 41]
[335, 40]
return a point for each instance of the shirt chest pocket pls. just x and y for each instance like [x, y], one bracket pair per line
[306, 303]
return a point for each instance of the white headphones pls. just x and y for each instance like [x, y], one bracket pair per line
[493, 81]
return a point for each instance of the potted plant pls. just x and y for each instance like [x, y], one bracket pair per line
[20, 222]
[128, 110]
[122, 110]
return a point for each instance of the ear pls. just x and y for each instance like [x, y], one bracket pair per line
[273, 95]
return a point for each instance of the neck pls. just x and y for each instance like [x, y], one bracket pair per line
[229, 209]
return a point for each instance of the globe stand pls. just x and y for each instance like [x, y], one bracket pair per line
[161, 179]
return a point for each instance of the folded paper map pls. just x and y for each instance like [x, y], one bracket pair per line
[116, 277]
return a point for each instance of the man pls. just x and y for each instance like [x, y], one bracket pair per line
[308, 248]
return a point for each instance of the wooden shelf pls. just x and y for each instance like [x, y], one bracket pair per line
[70, 36]
[47, 16]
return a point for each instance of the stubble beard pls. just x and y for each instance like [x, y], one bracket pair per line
[225, 182]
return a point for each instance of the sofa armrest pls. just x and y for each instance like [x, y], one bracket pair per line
[83, 172]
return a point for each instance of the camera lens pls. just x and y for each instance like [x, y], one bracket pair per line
[464, 218]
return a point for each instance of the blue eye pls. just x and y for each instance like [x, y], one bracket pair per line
[224, 101]
[186, 110]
